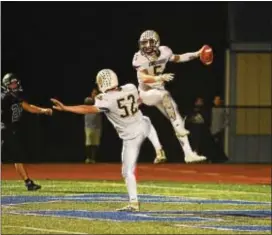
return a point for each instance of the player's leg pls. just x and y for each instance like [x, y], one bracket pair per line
[164, 102]
[88, 147]
[16, 150]
[154, 139]
[152, 97]
[95, 143]
[130, 154]
[21, 171]
[170, 109]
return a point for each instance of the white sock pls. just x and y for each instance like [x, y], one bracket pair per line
[178, 124]
[154, 139]
[131, 187]
[184, 142]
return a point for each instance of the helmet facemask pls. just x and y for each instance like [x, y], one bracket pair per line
[11, 83]
[149, 42]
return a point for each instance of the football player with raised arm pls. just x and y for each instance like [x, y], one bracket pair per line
[150, 62]
[120, 104]
[12, 106]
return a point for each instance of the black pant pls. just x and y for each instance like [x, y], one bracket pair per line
[200, 139]
[218, 139]
[12, 147]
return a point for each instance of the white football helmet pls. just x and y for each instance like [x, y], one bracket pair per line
[106, 79]
[149, 42]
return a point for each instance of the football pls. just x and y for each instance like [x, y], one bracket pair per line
[206, 55]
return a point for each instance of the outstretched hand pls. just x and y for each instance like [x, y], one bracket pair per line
[58, 105]
[200, 50]
[48, 112]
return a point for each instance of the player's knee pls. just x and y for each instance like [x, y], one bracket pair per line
[127, 172]
[168, 106]
[124, 172]
[166, 100]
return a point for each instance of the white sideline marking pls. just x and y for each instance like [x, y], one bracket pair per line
[26, 203]
[215, 228]
[42, 229]
[139, 186]
[7, 206]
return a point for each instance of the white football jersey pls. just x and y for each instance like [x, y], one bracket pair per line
[153, 67]
[121, 109]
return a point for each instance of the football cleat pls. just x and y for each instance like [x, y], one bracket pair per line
[160, 158]
[194, 157]
[131, 207]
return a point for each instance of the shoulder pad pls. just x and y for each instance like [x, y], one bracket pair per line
[99, 97]
[129, 86]
[138, 59]
[165, 48]
[4, 92]
[3, 89]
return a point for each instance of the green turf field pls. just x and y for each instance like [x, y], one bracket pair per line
[88, 207]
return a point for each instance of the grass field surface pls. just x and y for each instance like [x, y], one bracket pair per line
[88, 207]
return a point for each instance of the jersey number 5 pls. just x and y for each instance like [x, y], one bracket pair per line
[158, 70]
[128, 106]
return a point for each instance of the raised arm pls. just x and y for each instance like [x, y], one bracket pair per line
[78, 109]
[186, 56]
[36, 109]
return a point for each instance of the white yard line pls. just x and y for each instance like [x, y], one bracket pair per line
[42, 229]
[26, 203]
[7, 206]
[214, 228]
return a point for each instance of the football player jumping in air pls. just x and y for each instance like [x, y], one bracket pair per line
[150, 62]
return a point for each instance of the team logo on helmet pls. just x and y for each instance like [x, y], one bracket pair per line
[106, 79]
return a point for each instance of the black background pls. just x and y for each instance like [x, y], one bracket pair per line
[56, 49]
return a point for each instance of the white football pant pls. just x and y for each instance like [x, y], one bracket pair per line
[163, 100]
[130, 153]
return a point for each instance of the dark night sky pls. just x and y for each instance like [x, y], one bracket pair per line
[57, 48]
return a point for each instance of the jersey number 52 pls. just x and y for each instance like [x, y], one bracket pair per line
[128, 106]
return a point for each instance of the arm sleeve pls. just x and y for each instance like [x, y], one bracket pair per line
[168, 51]
[102, 104]
[188, 56]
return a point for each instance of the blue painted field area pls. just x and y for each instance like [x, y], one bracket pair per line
[110, 197]
[115, 216]
[172, 216]
[175, 216]
[241, 228]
